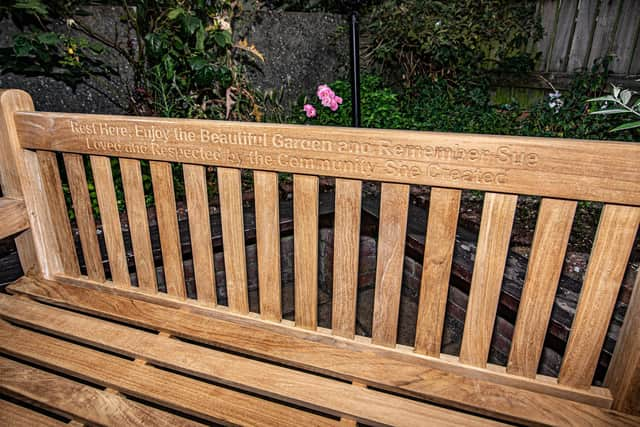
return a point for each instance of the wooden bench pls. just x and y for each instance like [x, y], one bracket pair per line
[82, 342]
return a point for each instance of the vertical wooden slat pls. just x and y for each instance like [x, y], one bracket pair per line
[305, 235]
[623, 376]
[58, 210]
[14, 177]
[564, 35]
[138, 224]
[491, 254]
[74, 165]
[195, 184]
[607, 263]
[605, 29]
[545, 266]
[235, 263]
[164, 196]
[110, 218]
[268, 244]
[628, 27]
[346, 245]
[548, 17]
[585, 23]
[394, 205]
[444, 206]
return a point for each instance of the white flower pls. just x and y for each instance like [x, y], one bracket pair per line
[222, 23]
[438, 23]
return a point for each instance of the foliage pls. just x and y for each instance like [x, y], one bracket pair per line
[449, 40]
[623, 103]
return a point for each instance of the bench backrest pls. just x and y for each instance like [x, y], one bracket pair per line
[560, 171]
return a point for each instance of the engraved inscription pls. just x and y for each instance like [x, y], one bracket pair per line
[338, 155]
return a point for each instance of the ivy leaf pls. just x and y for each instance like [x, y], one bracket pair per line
[625, 126]
[174, 13]
[200, 39]
[222, 38]
[48, 38]
[191, 23]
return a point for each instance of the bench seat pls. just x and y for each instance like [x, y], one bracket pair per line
[219, 367]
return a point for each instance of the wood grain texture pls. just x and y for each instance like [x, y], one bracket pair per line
[235, 262]
[14, 177]
[548, 12]
[581, 43]
[267, 207]
[559, 168]
[74, 166]
[555, 219]
[488, 268]
[623, 375]
[346, 246]
[195, 184]
[392, 231]
[276, 382]
[110, 218]
[14, 217]
[608, 13]
[566, 23]
[138, 224]
[305, 237]
[12, 415]
[58, 211]
[78, 401]
[190, 396]
[442, 222]
[165, 200]
[628, 27]
[614, 239]
[432, 379]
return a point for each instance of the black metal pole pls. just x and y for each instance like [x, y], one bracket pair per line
[355, 70]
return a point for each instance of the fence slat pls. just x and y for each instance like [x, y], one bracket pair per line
[585, 24]
[444, 206]
[394, 205]
[488, 269]
[607, 264]
[305, 235]
[603, 34]
[165, 200]
[543, 273]
[268, 244]
[110, 218]
[138, 224]
[74, 165]
[58, 210]
[564, 34]
[235, 263]
[628, 27]
[346, 245]
[195, 184]
[548, 14]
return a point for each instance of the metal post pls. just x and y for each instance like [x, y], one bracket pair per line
[355, 69]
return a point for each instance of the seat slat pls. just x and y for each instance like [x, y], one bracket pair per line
[394, 205]
[74, 165]
[12, 415]
[305, 235]
[488, 269]
[268, 244]
[165, 200]
[58, 210]
[138, 224]
[607, 263]
[553, 228]
[330, 396]
[78, 401]
[235, 263]
[146, 382]
[195, 184]
[444, 205]
[346, 245]
[110, 218]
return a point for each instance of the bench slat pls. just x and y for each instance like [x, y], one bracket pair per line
[444, 206]
[78, 401]
[12, 415]
[267, 208]
[607, 263]
[488, 269]
[58, 210]
[346, 245]
[235, 263]
[110, 218]
[165, 200]
[305, 235]
[394, 205]
[195, 184]
[138, 224]
[553, 228]
[327, 395]
[146, 382]
[14, 217]
[74, 165]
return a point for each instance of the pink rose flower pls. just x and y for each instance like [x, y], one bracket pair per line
[324, 91]
[326, 101]
[309, 110]
[333, 105]
[338, 99]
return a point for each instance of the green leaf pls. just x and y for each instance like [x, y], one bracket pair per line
[48, 38]
[612, 111]
[222, 38]
[200, 39]
[191, 23]
[602, 98]
[174, 13]
[625, 126]
[33, 6]
[625, 96]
